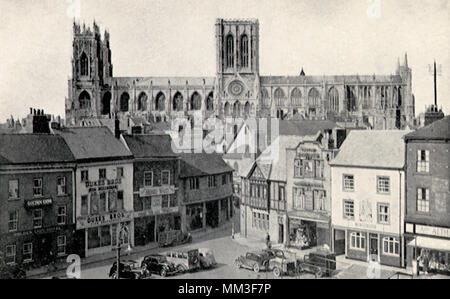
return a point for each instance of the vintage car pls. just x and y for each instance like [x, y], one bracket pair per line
[207, 259]
[128, 269]
[158, 264]
[184, 261]
[279, 264]
[254, 260]
[320, 263]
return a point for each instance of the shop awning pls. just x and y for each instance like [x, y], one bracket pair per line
[430, 243]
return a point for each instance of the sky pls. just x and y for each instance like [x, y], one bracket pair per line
[176, 38]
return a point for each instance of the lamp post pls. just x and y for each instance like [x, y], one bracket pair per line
[121, 233]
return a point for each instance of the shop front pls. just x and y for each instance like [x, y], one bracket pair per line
[307, 232]
[194, 216]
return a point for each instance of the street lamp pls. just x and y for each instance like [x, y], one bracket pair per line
[121, 235]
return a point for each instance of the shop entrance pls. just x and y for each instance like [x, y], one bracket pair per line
[373, 244]
[212, 214]
[280, 233]
[339, 242]
[44, 249]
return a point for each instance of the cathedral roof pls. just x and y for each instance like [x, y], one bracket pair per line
[269, 80]
[164, 81]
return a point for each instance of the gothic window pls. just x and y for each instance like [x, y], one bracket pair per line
[399, 97]
[226, 109]
[124, 98]
[265, 97]
[178, 101]
[160, 102]
[210, 102]
[296, 97]
[313, 98]
[229, 51]
[237, 109]
[84, 65]
[106, 103]
[365, 98]
[247, 109]
[196, 101]
[351, 99]
[279, 97]
[244, 51]
[142, 101]
[85, 100]
[333, 100]
[383, 98]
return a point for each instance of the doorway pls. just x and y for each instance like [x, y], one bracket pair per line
[373, 239]
[339, 242]
[280, 233]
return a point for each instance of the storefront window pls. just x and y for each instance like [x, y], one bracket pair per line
[391, 246]
[93, 238]
[302, 234]
[357, 241]
[433, 261]
[105, 235]
[194, 214]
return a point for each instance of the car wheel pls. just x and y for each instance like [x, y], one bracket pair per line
[256, 268]
[276, 272]
[181, 268]
[114, 275]
[163, 273]
[238, 264]
[319, 274]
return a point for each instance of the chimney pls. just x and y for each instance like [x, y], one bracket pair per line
[117, 128]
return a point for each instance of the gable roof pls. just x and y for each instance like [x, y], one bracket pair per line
[372, 148]
[93, 143]
[148, 146]
[200, 164]
[439, 129]
[33, 148]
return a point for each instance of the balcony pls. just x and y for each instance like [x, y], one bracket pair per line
[278, 205]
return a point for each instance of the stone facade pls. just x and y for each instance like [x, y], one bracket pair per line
[237, 89]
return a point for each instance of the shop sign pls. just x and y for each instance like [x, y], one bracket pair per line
[100, 183]
[433, 231]
[365, 225]
[152, 212]
[39, 231]
[97, 220]
[308, 185]
[37, 203]
[155, 191]
[308, 153]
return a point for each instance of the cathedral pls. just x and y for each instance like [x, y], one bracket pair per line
[237, 89]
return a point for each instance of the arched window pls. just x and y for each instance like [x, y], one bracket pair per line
[399, 97]
[351, 99]
[178, 101]
[142, 101]
[84, 100]
[313, 98]
[296, 97]
[229, 51]
[265, 97]
[106, 103]
[237, 109]
[124, 98]
[160, 102]
[210, 102]
[333, 100]
[226, 109]
[196, 101]
[247, 109]
[244, 51]
[84, 65]
[279, 96]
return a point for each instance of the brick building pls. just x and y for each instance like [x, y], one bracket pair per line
[427, 216]
[37, 221]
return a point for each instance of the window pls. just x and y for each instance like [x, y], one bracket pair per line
[37, 187]
[37, 218]
[62, 213]
[119, 172]
[383, 185]
[357, 241]
[120, 206]
[244, 51]
[298, 168]
[102, 174]
[260, 221]
[148, 178]
[84, 175]
[383, 213]
[13, 189]
[224, 179]
[112, 200]
[212, 181]
[84, 205]
[61, 245]
[165, 201]
[230, 51]
[102, 202]
[62, 189]
[84, 65]
[165, 177]
[13, 221]
[27, 252]
[349, 209]
[349, 182]
[319, 200]
[423, 161]
[299, 198]
[391, 246]
[318, 171]
[194, 183]
[94, 203]
[10, 254]
[423, 199]
[281, 193]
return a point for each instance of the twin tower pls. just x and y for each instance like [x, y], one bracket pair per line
[237, 89]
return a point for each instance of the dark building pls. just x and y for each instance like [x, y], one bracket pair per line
[427, 219]
[206, 184]
[36, 198]
[155, 186]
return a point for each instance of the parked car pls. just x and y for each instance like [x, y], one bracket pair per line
[207, 259]
[279, 264]
[184, 261]
[12, 272]
[254, 260]
[320, 263]
[127, 269]
[158, 264]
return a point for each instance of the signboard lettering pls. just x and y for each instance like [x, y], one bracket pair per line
[36, 203]
[96, 220]
[433, 231]
[155, 191]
